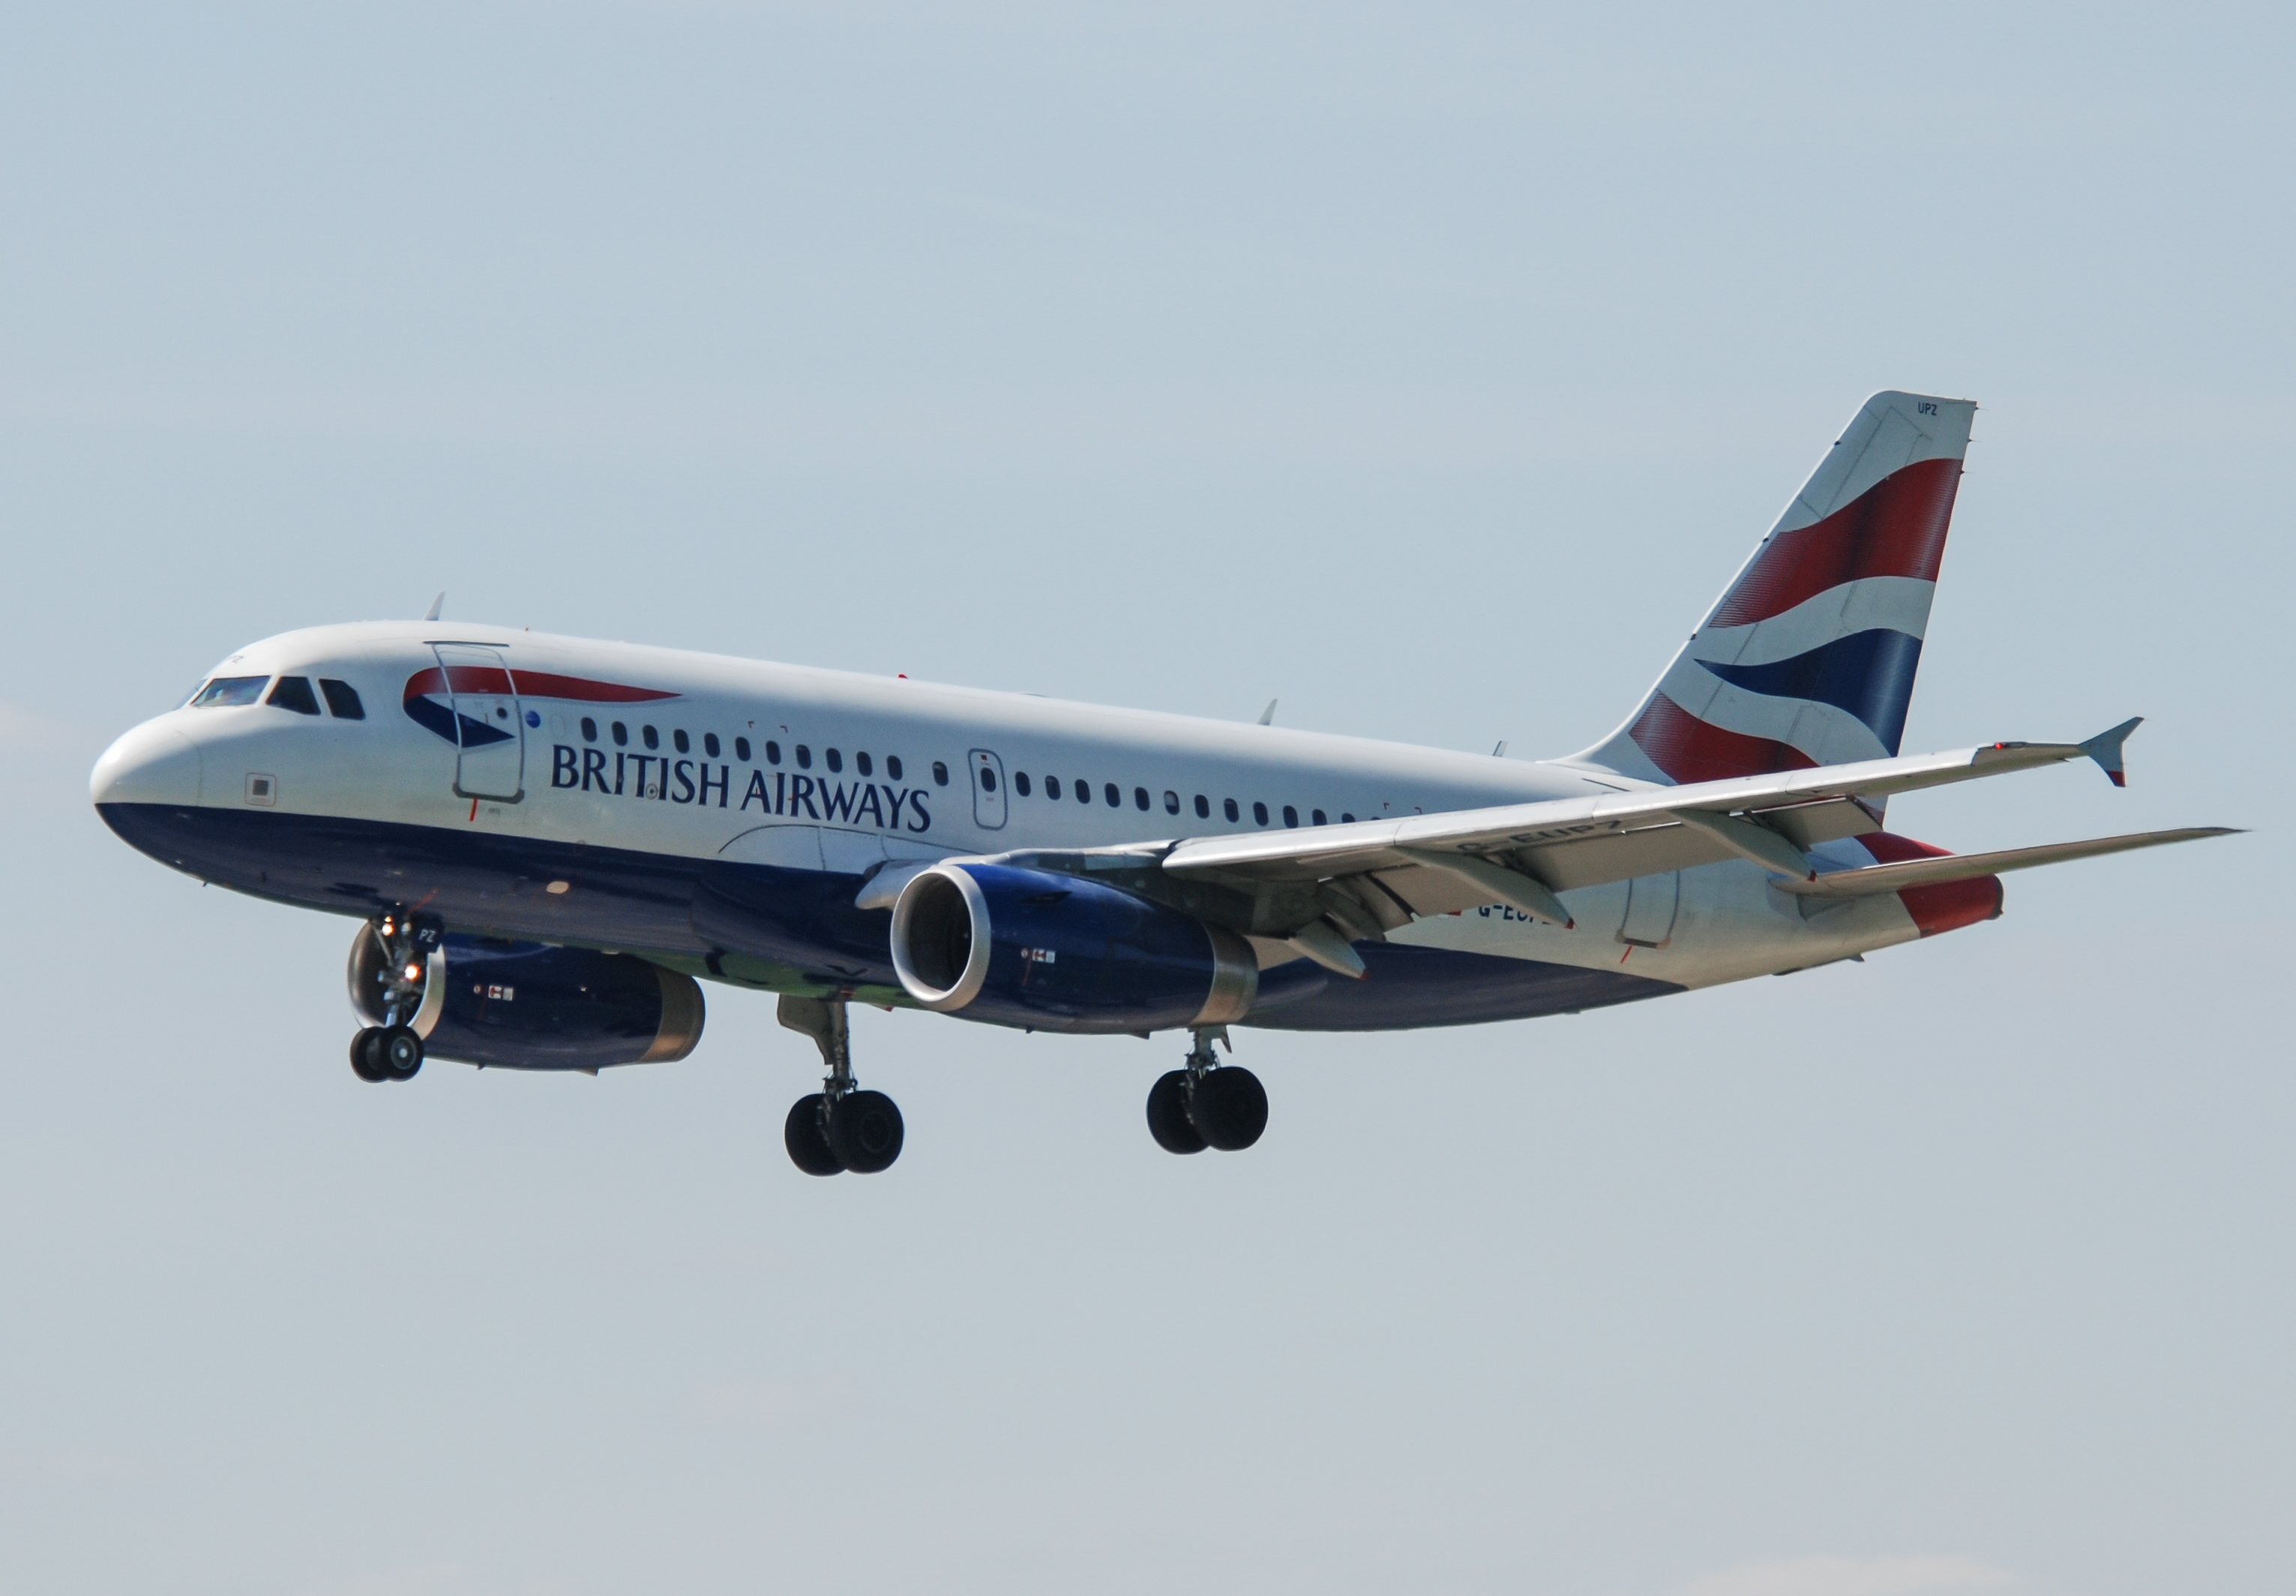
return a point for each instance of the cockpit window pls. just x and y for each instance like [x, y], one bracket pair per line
[294, 693]
[226, 690]
[342, 699]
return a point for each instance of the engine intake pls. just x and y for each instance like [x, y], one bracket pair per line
[526, 1005]
[1061, 953]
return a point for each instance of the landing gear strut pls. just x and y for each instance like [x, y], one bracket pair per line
[393, 1050]
[1207, 1104]
[840, 1128]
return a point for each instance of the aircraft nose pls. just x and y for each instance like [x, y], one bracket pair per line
[154, 764]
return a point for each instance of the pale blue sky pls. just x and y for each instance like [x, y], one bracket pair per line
[1428, 367]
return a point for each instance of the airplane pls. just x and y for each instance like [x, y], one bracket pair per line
[550, 843]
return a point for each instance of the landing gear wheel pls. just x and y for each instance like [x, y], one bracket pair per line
[397, 1051]
[865, 1130]
[1167, 1115]
[1228, 1107]
[359, 1065]
[807, 1137]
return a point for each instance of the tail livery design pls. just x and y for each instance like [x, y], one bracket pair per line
[1808, 658]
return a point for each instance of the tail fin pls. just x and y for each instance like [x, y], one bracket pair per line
[1808, 658]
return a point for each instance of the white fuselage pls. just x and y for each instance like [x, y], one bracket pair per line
[827, 771]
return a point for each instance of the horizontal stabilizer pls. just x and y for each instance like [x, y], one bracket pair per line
[1963, 867]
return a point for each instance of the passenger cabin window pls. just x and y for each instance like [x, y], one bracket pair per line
[741, 749]
[1115, 799]
[940, 773]
[1051, 787]
[804, 757]
[709, 744]
[773, 753]
[988, 780]
[1259, 813]
[1020, 782]
[861, 763]
[1140, 797]
[836, 760]
[1290, 815]
[1317, 816]
[652, 737]
[342, 699]
[1347, 820]
[1203, 808]
[893, 765]
[621, 735]
[589, 730]
[1171, 803]
[294, 693]
[679, 741]
[1227, 807]
[226, 692]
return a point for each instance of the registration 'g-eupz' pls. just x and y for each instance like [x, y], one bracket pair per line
[550, 843]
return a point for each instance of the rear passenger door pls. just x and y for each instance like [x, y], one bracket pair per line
[488, 724]
[1652, 902]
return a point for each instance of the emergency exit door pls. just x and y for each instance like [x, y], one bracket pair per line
[987, 790]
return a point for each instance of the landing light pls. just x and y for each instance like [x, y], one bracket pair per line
[414, 972]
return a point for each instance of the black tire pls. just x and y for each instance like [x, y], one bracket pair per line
[398, 1052]
[1229, 1107]
[865, 1130]
[1167, 1115]
[808, 1139]
[359, 1065]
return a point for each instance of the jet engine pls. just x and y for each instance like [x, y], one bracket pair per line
[1060, 952]
[526, 1005]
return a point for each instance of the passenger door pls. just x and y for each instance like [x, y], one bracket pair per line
[488, 724]
[1651, 905]
[987, 790]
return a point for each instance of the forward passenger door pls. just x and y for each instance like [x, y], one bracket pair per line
[489, 727]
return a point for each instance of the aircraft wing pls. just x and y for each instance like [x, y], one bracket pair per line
[1321, 890]
[1373, 876]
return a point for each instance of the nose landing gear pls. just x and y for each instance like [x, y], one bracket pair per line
[393, 1050]
[839, 1129]
[386, 1052]
[1207, 1104]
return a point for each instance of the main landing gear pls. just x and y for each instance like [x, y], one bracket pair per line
[839, 1129]
[393, 1050]
[1207, 1104]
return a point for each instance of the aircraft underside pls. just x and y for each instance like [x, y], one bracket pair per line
[754, 926]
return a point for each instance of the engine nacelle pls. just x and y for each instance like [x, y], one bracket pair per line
[1061, 953]
[525, 1005]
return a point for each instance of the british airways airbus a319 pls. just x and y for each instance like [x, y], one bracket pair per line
[550, 843]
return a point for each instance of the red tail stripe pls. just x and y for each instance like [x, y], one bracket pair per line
[1690, 749]
[1895, 528]
[1945, 905]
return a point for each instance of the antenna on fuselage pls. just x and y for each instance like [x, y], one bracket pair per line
[437, 604]
[1267, 715]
